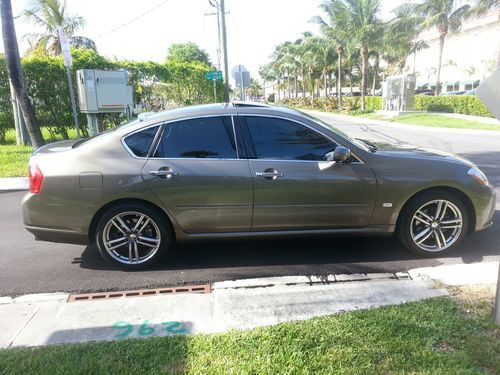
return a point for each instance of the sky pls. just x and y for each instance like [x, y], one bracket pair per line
[143, 30]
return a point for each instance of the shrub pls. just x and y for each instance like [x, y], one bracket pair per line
[464, 104]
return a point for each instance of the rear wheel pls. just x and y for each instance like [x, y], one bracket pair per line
[133, 236]
[433, 223]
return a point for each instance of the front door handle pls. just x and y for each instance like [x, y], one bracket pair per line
[164, 173]
[269, 174]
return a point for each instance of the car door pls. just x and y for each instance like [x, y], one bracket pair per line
[294, 188]
[196, 174]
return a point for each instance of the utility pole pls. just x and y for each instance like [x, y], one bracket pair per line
[224, 46]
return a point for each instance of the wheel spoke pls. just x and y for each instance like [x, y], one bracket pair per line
[117, 226]
[136, 252]
[453, 221]
[438, 209]
[122, 242]
[139, 232]
[426, 219]
[122, 223]
[139, 221]
[149, 239]
[425, 232]
[443, 211]
[441, 234]
[130, 257]
[438, 241]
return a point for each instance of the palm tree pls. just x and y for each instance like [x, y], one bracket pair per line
[401, 36]
[15, 73]
[48, 15]
[447, 19]
[325, 55]
[358, 20]
[332, 28]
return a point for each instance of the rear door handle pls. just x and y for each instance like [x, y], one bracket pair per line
[164, 173]
[269, 174]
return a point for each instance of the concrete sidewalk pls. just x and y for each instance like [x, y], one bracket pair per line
[43, 319]
[49, 319]
[14, 183]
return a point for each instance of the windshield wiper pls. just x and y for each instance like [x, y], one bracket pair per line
[372, 146]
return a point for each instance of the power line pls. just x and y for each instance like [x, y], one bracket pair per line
[132, 20]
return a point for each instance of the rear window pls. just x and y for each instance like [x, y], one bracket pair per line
[140, 143]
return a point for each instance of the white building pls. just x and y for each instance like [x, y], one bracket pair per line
[468, 56]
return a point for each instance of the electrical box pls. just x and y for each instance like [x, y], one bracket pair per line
[101, 91]
[398, 93]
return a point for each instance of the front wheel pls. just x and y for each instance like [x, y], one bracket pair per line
[433, 223]
[132, 236]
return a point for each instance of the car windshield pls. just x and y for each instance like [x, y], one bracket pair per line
[121, 126]
[339, 132]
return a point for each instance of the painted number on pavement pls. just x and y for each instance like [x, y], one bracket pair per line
[125, 329]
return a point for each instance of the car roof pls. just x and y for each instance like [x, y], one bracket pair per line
[145, 119]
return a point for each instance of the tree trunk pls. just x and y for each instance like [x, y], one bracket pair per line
[364, 58]
[375, 71]
[325, 77]
[14, 71]
[350, 80]
[438, 74]
[340, 51]
[303, 85]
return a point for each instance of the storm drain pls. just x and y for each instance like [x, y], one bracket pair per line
[198, 289]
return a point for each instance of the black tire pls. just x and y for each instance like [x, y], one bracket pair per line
[408, 229]
[149, 252]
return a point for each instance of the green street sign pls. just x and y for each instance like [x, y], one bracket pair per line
[213, 75]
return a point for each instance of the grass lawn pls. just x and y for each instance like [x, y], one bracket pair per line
[14, 159]
[434, 120]
[437, 336]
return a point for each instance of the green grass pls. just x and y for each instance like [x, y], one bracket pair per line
[437, 336]
[434, 120]
[14, 159]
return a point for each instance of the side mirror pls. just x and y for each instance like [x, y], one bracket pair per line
[341, 154]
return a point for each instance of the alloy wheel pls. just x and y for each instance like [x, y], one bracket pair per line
[131, 237]
[436, 225]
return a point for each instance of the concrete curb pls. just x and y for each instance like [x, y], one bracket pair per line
[48, 320]
[14, 183]
[458, 274]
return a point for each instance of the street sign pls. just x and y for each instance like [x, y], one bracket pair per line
[241, 76]
[213, 75]
[65, 47]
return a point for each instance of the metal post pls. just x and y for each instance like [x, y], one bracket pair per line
[215, 90]
[241, 83]
[224, 45]
[496, 309]
[73, 103]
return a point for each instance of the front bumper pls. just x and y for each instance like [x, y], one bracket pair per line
[485, 207]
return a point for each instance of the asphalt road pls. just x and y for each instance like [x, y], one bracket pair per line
[27, 266]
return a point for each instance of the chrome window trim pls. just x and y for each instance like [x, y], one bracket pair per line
[359, 160]
[124, 137]
[164, 123]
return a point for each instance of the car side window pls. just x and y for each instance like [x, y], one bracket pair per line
[140, 143]
[203, 137]
[280, 139]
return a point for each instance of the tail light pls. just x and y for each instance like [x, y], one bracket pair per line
[35, 179]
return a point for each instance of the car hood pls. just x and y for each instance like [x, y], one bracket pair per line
[56, 146]
[416, 152]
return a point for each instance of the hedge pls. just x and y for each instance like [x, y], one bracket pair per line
[464, 104]
[349, 104]
[156, 85]
[467, 105]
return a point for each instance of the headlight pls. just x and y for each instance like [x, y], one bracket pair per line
[477, 175]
